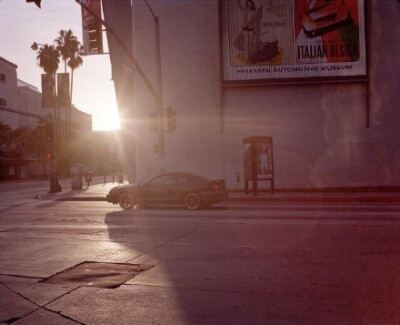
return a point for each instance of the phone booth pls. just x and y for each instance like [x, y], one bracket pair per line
[76, 177]
[258, 162]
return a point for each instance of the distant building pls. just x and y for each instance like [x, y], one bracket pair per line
[8, 92]
[21, 106]
[29, 101]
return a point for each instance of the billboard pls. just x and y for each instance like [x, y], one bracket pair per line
[48, 91]
[63, 99]
[286, 40]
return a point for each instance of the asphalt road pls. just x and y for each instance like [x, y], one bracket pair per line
[236, 263]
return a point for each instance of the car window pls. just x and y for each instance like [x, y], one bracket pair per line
[195, 178]
[163, 180]
[180, 180]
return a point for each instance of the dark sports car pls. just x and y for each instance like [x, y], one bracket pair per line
[192, 191]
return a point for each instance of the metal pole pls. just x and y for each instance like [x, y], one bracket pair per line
[54, 184]
[160, 103]
[161, 140]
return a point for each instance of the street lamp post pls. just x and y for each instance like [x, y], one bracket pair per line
[53, 124]
[160, 102]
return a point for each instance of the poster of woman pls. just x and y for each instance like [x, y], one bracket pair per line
[286, 40]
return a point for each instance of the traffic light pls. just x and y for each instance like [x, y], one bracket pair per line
[37, 2]
[95, 36]
[171, 117]
[50, 155]
[153, 121]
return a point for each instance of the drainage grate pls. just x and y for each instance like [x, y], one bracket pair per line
[98, 274]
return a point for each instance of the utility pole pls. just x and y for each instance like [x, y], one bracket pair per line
[160, 102]
[49, 82]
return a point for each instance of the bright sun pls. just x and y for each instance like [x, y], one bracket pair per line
[106, 119]
[98, 99]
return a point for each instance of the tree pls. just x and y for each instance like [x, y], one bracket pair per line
[23, 141]
[48, 58]
[4, 136]
[71, 52]
[39, 144]
[19, 143]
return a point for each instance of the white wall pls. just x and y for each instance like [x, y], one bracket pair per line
[8, 91]
[319, 130]
[190, 69]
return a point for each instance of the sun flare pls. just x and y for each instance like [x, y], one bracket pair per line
[106, 119]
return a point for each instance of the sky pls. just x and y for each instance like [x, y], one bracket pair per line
[23, 23]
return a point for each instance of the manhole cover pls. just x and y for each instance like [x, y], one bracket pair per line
[98, 274]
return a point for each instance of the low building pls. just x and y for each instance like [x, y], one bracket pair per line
[8, 92]
[29, 102]
[21, 106]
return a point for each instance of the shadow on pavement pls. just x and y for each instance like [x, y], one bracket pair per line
[252, 273]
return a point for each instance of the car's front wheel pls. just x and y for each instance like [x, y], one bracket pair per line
[126, 201]
[192, 201]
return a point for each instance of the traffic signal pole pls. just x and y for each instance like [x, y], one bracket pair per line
[161, 139]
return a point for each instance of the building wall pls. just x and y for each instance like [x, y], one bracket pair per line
[8, 92]
[29, 101]
[320, 132]
[191, 86]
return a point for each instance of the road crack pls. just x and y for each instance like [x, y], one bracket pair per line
[39, 307]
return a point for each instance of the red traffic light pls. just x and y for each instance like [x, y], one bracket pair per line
[50, 155]
[37, 2]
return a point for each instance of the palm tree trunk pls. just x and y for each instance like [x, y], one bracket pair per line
[70, 100]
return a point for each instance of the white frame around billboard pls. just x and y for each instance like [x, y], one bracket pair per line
[293, 72]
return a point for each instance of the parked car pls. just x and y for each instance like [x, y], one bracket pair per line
[189, 190]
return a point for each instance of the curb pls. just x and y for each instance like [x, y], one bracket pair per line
[358, 199]
[82, 199]
[255, 199]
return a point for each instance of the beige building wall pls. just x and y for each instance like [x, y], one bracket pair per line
[8, 92]
[191, 86]
[320, 132]
[29, 101]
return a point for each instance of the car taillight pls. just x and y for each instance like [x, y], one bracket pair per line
[217, 185]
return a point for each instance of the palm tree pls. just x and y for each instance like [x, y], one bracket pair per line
[65, 42]
[71, 52]
[48, 58]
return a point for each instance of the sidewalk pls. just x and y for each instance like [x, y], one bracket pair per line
[218, 267]
[97, 191]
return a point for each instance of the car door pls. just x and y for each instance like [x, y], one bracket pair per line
[157, 190]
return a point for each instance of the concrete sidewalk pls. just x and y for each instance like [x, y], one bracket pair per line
[97, 191]
[218, 267]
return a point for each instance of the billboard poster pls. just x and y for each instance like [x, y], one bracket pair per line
[278, 40]
[63, 90]
[263, 160]
[48, 91]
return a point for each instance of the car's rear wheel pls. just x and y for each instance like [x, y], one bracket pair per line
[126, 201]
[192, 201]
